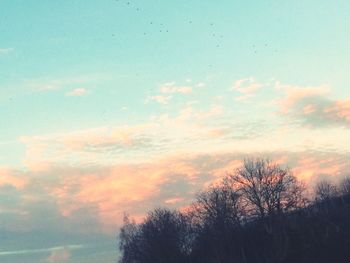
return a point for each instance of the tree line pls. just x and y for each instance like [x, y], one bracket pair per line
[257, 214]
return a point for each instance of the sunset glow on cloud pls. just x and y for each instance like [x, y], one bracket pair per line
[128, 107]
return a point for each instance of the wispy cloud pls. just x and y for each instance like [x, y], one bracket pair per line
[53, 250]
[78, 92]
[46, 84]
[168, 91]
[171, 87]
[5, 51]
[246, 87]
[161, 99]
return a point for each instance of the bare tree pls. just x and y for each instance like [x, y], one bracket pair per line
[219, 204]
[325, 191]
[256, 214]
[162, 237]
[128, 244]
[345, 186]
[266, 188]
[218, 214]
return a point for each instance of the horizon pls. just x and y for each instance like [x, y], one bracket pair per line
[113, 107]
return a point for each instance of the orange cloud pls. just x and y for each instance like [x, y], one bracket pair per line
[136, 188]
[93, 199]
[294, 94]
[59, 256]
[111, 192]
[247, 87]
[8, 178]
[339, 110]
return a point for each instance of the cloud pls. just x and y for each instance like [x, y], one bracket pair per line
[59, 256]
[173, 201]
[66, 199]
[47, 84]
[5, 51]
[192, 128]
[313, 106]
[172, 180]
[90, 146]
[246, 87]
[166, 89]
[159, 99]
[83, 181]
[78, 92]
[172, 88]
[56, 252]
[11, 178]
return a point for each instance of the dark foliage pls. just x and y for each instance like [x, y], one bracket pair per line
[257, 214]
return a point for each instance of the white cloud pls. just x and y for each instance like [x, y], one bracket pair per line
[160, 99]
[50, 84]
[5, 51]
[200, 84]
[172, 88]
[76, 92]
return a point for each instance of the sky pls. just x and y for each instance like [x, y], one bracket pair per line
[112, 107]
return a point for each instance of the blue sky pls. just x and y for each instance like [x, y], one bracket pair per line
[97, 96]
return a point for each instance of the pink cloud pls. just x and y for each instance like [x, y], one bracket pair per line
[294, 94]
[313, 105]
[104, 193]
[132, 187]
[118, 189]
[339, 110]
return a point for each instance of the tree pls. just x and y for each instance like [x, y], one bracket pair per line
[162, 237]
[129, 241]
[266, 188]
[345, 186]
[219, 205]
[218, 215]
[254, 215]
[325, 191]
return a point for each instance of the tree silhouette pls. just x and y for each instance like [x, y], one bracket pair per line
[266, 188]
[256, 214]
[162, 237]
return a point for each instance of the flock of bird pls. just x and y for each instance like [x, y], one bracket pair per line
[160, 28]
